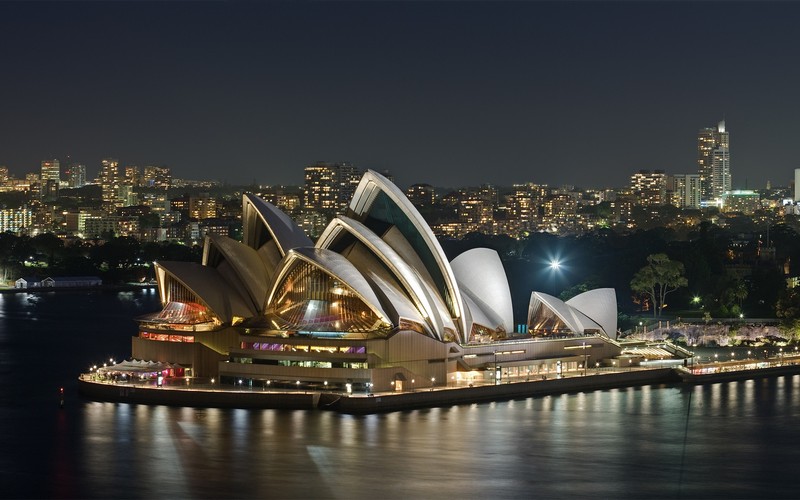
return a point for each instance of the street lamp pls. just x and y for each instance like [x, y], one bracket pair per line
[555, 266]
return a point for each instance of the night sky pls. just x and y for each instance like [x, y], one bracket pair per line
[447, 93]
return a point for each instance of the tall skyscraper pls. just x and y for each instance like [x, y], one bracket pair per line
[109, 182]
[51, 171]
[714, 162]
[76, 175]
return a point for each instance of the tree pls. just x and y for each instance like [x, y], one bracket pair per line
[658, 278]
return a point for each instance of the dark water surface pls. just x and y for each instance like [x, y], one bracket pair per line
[733, 440]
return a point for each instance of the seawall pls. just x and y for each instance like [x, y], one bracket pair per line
[467, 395]
[124, 393]
[424, 398]
[366, 404]
[712, 378]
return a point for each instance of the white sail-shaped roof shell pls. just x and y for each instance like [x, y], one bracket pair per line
[600, 305]
[428, 303]
[480, 274]
[240, 265]
[334, 265]
[208, 285]
[399, 307]
[369, 189]
[574, 319]
[282, 232]
[479, 314]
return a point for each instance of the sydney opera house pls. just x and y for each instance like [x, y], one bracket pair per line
[374, 305]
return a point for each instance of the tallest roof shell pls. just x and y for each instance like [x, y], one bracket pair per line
[379, 204]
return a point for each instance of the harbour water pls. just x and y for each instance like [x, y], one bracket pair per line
[733, 440]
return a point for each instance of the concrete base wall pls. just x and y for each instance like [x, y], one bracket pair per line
[446, 397]
[197, 398]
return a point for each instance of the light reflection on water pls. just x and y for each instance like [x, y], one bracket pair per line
[617, 443]
[739, 440]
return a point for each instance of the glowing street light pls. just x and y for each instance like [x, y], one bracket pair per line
[555, 267]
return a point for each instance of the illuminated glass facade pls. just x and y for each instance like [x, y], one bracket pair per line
[312, 300]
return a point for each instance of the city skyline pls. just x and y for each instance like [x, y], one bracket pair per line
[557, 93]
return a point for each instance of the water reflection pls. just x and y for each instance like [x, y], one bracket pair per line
[734, 440]
[630, 443]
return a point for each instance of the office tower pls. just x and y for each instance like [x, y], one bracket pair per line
[421, 195]
[686, 190]
[76, 175]
[109, 182]
[202, 206]
[15, 220]
[3, 173]
[51, 171]
[713, 162]
[649, 187]
[132, 176]
[348, 177]
[330, 187]
[157, 177]
[523, 206]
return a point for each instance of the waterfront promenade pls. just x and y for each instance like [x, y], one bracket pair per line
[203, 393]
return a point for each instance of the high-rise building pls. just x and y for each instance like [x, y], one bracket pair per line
[649, 187]
[797, 184]
[330, 187]
[714, 162]
[51, 171]
[686, 190]
[109, 182]
[15, 220]
[422, 195]
[76, 175]
[202, 206]
[158, 177]
[523, 206]
[348, 179]
[132, 176]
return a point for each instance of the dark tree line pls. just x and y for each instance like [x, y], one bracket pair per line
[726, 272]
[117, 260]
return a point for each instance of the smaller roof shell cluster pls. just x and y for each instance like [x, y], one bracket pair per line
[592, 311]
